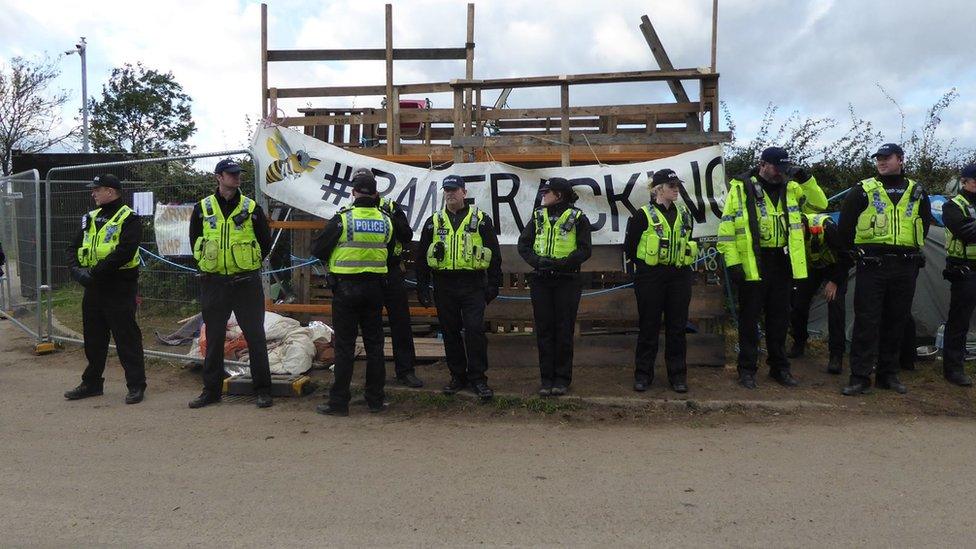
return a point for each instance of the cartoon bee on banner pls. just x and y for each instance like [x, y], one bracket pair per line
[286, 164]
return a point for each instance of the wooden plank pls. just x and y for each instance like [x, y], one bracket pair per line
[564, 124]
[596, 139]
[620, 305]
[391, 136]
[303, 224]
[343, 91]
[264, 61]
[595, 110]
[589, 78]
[326, 309]
[519, 351]
[469, 64]
[714, 33]
[301, 244]
[368, 54]
[458, 124]
[661, 56]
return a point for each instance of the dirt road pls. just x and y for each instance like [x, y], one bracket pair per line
[97, 472]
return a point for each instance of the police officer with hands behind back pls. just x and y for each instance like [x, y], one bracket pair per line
[761, 240]
[458, 244]
[658, 242]
[883, 223]
[555, 242]
[395, 298]
[104, 258]
[356, 244]
[230, 237]
[959, 216]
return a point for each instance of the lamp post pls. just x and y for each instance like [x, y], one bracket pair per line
[80, 48]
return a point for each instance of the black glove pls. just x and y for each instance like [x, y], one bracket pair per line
[800, 175]
[491, 292]
[546, 264]
[737, 274]
[424, 297]
[81, 276]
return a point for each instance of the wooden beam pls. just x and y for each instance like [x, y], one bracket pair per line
[714, 33]
[303, 224]
[458, 123]
[391, 137]
[469, 64]
[264, 61]
[372, 54]
[691, 137]
[590, 78]
[564, 123]
[663, 61]
[344, 91]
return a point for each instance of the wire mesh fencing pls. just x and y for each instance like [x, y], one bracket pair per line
[162, 193]
[21, 285]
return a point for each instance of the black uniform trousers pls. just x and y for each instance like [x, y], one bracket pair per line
[771, 296]
[803, 292]
[357, 306]
[110, 310]
[398, 313]
[662, 290]
[555, 301]
[883, 294]
[243, 295]
[962, 303]
[460, 306]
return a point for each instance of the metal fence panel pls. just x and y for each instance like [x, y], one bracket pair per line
[20, 235]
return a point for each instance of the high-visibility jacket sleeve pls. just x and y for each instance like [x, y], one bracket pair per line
[725, 242]
[815, 201]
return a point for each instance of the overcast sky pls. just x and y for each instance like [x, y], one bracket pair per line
[812, 56]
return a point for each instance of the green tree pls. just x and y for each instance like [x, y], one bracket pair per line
[141, 111]
[30, 112]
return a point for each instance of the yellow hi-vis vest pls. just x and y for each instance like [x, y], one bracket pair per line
[887, 224]
[98, 243]
[736, 241]
[463, 249]
[819, 253]
[663, 244]
[362, 246]
[957, 248]
[227, 246]
[555, 240]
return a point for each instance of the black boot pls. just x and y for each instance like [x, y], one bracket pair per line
[959, 378]
[835, 365]
[206, 398]
[135, 396]
[409, 379]
[892, 383]
[83, 391]
[856, 387]
[454, 386]
[796, 351]
[784, 378]
[747, 380]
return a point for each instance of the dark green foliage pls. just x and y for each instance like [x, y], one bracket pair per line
[141, 111]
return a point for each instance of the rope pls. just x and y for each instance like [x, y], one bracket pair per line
[305, 262]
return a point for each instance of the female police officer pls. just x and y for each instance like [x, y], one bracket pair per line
[555, 243]
[658, 242]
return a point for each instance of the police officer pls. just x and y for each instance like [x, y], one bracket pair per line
[555, 242]
[883, 221]
[104, 258]
[395, 298]
[356, 244]
[230, 237]
[959, 216]
[823, 247]
[658, 242]
[761, 239]
[458, 243]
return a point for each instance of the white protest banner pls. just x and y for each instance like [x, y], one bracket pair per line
[172, 227]
[314, 176]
